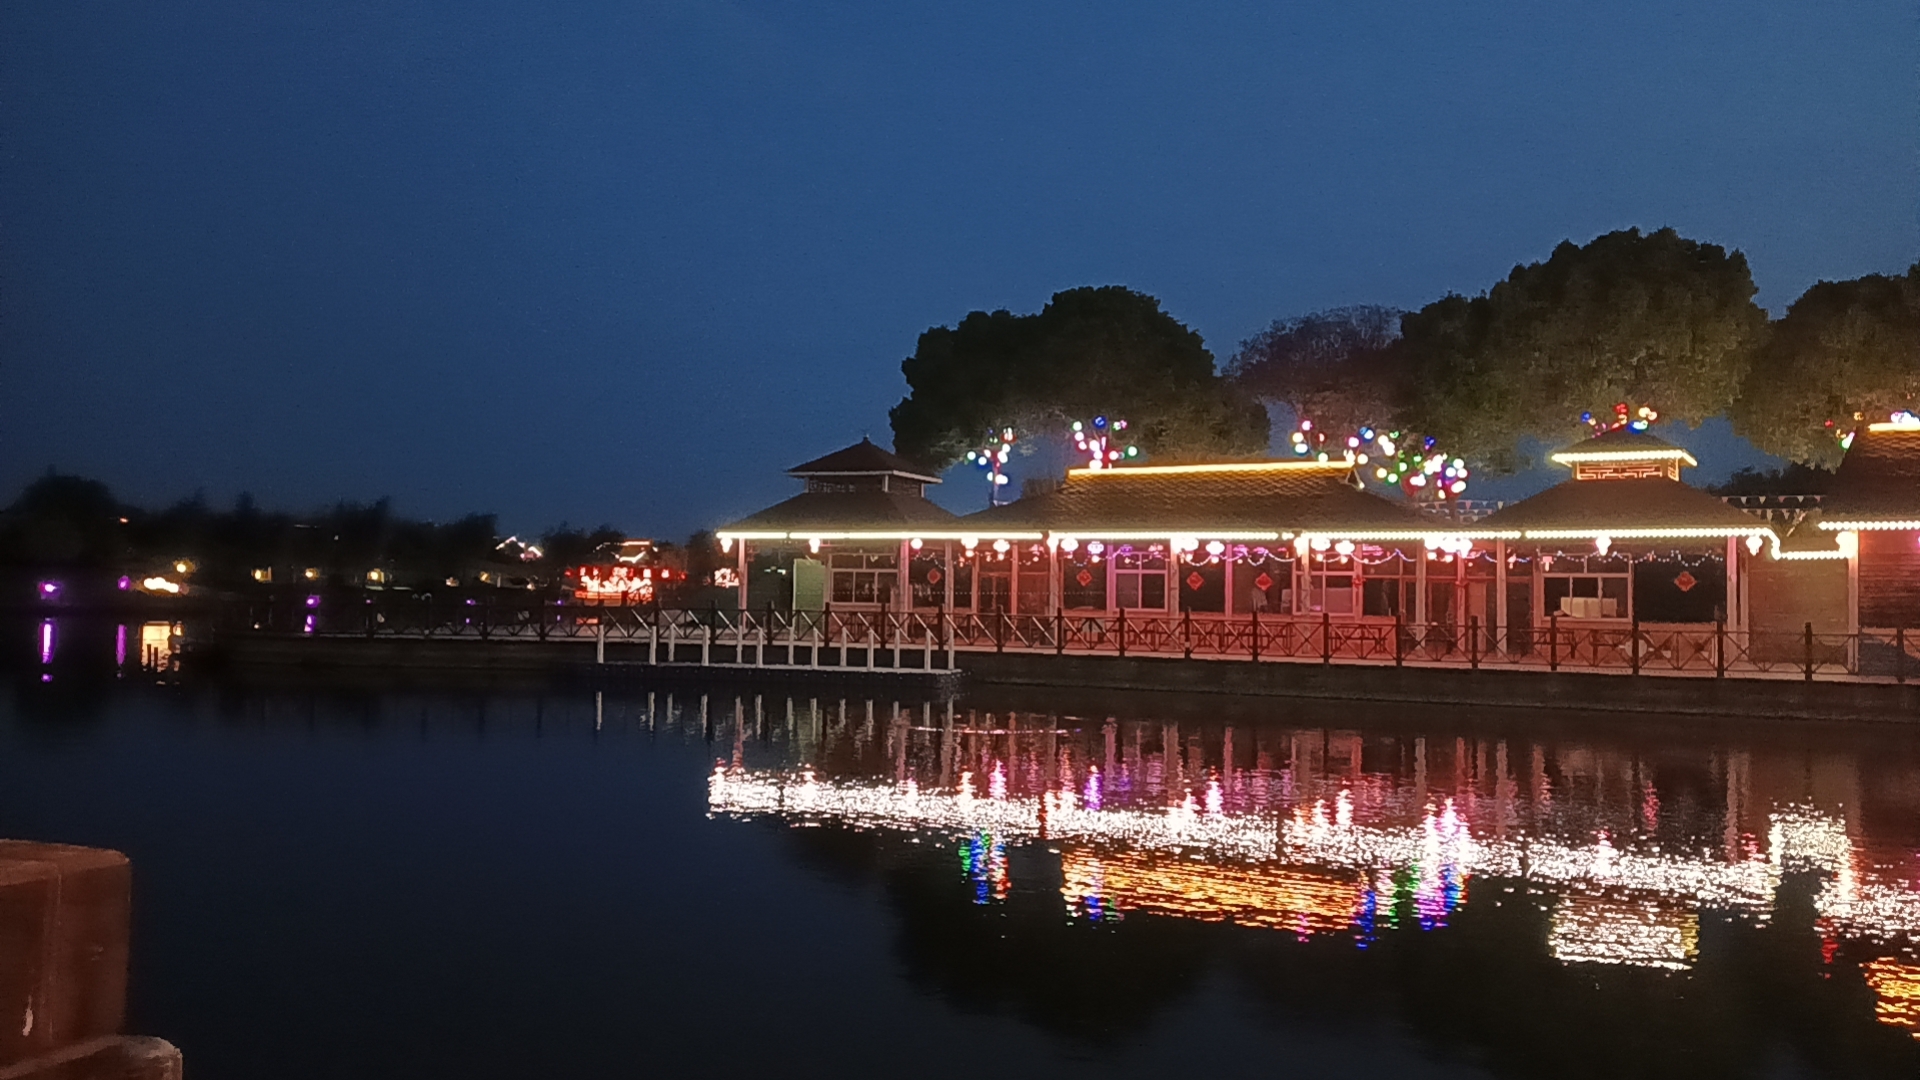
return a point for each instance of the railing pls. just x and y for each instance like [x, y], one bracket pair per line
[929, 640]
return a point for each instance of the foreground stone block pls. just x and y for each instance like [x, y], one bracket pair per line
[64, 915]
[118, 1057]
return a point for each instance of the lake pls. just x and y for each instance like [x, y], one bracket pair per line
[429, 877]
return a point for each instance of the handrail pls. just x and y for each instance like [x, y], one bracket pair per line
[1712, 650]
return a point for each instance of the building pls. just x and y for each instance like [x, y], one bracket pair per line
[1621, 564]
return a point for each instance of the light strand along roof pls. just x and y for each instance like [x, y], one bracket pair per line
[1878, 481]
[1207, 501]
[1648, 506]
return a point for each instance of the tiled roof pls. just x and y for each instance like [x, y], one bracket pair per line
[1649, 503]
[1127, 500]
[863, 459]
[1615, 441]
[1879, 480]
[845, 511]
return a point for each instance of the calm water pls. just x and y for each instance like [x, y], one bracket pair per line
[341, 881]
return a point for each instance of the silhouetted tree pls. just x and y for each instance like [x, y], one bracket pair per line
[1336, 366]
[1653, 319]
[1845, 353]
[1090, 351]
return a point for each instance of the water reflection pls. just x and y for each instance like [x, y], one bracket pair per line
[1356, 836]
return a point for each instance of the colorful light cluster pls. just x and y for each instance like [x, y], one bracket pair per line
[616, 584]
[1421, 471]
[1097, 442]
[1623, 419]
[992, 459]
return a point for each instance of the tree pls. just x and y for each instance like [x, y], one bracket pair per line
[1090, 351]
[1337, 367]
[1654, 320]
[1845, 353]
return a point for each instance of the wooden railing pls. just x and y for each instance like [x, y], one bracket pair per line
[892, 638]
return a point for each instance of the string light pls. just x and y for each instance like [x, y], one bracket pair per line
[1098, 442]
[1623, 419]
[992, 459]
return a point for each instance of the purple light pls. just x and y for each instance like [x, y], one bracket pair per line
[120, 646]
[313, 601]
[49, 589]
[125, 583]
[46, 641]
[309, 624]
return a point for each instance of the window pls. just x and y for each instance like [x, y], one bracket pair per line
[1083, 585]
[1330, 591]
[1585, 596]
[862, 578]
[1140, 580]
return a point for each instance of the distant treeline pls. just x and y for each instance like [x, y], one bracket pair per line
[73, 522]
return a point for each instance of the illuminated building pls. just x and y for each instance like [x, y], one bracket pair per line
[1623, 566]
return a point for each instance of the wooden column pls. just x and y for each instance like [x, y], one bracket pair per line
[1736, 605]
[742, 571]
[904, 590]
[946, 573]
[1499, 613]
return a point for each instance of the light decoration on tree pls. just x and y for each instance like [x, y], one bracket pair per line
[992, 459]
[1623, 419]
[1421, 472]
[1899, 420]
[1097, 441]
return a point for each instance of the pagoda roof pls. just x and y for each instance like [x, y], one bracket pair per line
[1251, 500]
[845, 514]
[1623, 444]
[1878, 483]
[1622, 509]
[863, 459]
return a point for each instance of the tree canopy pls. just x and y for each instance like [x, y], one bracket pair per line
[1091, 351]
[1338, 366]
[1845, 353]
[1652, 319]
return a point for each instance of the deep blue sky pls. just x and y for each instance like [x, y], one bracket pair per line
[627, 261]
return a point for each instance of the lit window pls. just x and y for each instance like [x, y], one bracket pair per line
[864, 578]
[1140, 580]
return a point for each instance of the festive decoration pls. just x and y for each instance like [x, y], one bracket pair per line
[1421, 471]
[992, 458]
[1623, 418]
[1097, 442]
[616, 584]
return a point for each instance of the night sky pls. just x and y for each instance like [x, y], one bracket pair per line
[627, 261]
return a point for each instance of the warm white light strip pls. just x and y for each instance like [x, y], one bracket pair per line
[1632, 534]
[1084, 535]
[804, 535]
[1896, 425]
[1574, 457]
[1412, 536]
[1340, 465]
[1869, 526]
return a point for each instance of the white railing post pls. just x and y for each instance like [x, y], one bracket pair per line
[599, 640]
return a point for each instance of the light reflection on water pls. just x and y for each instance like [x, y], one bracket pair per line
[1470, 880]
[1319, 832]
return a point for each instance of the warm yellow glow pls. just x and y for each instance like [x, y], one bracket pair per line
[156, 644]
[1896, 992]
[1216, 467]
[376, 577]
[183, 567]
[1269, 895]
[1869, 526]
[1645, 534]
[312, 573]
[810, 535]
[1613, 930]
[1222, 534]
[1575, 457]
[1848, 543]
[264, 573]
[1906, 422]
[160, 585]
